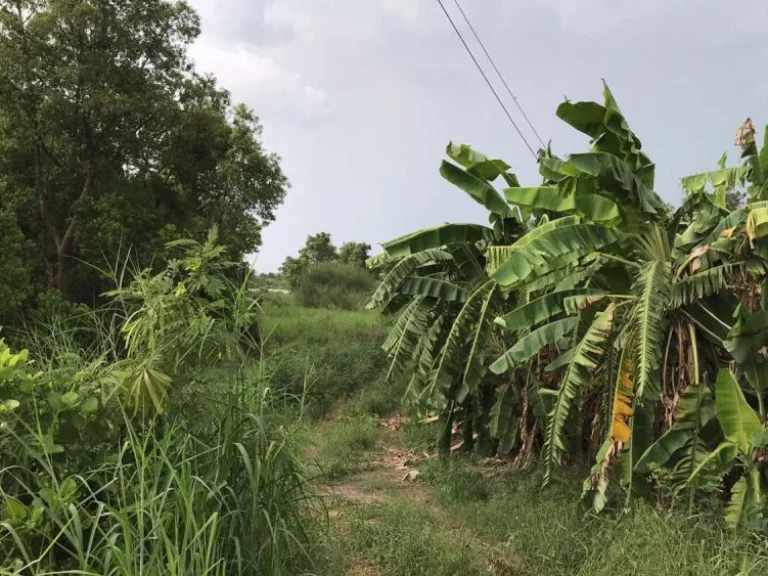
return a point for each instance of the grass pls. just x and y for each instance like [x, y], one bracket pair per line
[551, 534]
[343, 447]
[454, 481]
[403, 540]
[332, 354]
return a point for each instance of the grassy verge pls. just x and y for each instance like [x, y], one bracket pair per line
[329, 354]
[549, 533]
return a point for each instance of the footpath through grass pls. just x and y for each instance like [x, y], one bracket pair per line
[395, 510]
[464, 517]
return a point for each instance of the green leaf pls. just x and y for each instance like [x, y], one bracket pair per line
[586, 355]
[737, 419]
[586, 117]
[465, 324]
[480, 190]
[69, 399]
[641, 437]
[474, 366]
[437, 237]
[503, 421]
[538, 310]
[616, 178]
[653, 290]
[713, 466]
[390, 285]
[479, 164]
[90, 405]
[528, 346]
[694, 411]
[434, 288]
[533, 257]
[745, 508]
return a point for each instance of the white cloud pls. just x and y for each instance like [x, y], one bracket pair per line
[252, 75]
[408, 10]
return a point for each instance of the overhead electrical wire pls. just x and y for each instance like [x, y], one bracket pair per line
[487, 81]
[498, 72]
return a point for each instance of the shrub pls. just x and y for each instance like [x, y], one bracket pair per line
[334, 285]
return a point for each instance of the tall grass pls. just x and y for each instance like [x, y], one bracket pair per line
[152, 440]
[164, 503]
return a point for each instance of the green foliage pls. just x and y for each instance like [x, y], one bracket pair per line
[409, 542]
[16, 268]
[587, 267]
[112, 142]
[318, 251]
[158, 444]
[334, 285]
[323, 354]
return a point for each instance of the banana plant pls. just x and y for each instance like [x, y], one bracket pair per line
[589, 318]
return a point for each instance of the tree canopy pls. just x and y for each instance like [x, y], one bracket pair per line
[110, 141]
[319, 249]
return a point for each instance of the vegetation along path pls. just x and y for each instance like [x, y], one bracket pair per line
[394, 508]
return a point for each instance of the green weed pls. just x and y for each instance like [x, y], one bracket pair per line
[455, 481]
[553, 535]
[404, 540]
[344, 447]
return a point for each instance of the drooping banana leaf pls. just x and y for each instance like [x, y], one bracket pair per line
[503, 421]
[653, 290]
[474, 365]
[538, 310]
[479, 164]
[480, 190]
[586, 355]
[434, 288]
[570, 195]
[437, 237]
[746, 506]
[400, 273]
[694, 411]
[566, 242]
[528, 346]
[737, 418]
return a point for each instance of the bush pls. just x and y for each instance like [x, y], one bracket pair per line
[335, 285]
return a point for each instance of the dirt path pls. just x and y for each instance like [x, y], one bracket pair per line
[393, 474]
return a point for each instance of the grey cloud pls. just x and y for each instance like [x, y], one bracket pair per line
[393, 86]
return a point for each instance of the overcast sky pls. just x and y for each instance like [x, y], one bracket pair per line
[360, 97]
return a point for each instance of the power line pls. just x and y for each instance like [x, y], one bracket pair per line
[487, 81]
[498, 72]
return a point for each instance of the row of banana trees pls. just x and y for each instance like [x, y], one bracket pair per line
[591, 321]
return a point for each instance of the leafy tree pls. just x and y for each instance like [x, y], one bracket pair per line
[319, 249]
[354, 254]
[110, 140]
